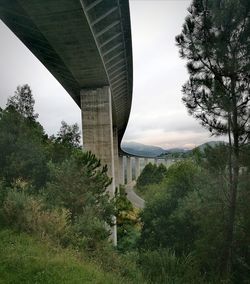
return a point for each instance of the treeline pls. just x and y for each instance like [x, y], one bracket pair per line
[185, 220]
[51, 189]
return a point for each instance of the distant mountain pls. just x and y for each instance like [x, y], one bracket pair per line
[139, 149]
[211, 144]
[177, 150]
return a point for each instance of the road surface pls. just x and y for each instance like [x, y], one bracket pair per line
[136, 200]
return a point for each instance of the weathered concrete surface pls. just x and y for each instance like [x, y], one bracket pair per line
[121, 170]
[137, 167]
[116, 158]
[97, 129]
[129, 170]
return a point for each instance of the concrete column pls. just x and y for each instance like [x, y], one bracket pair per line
[116, 157]
[121, 170]
[145, 161]
[155, 161]
[137, 167]
[97, 129]
[129, 170]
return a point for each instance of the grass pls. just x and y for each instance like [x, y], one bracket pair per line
[24, 259]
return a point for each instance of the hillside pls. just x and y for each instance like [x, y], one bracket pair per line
[211, 144]
[26, 260]
[139, 149]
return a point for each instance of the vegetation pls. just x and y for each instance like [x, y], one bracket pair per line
[56, 193]
[150, 177]
[27, 260]
[215, 41]
[55, 213]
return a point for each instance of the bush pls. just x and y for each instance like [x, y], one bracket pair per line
[165, 267]
[151, 174]
[88, 231]
[26, 213]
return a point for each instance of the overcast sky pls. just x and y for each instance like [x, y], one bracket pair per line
[158, 116]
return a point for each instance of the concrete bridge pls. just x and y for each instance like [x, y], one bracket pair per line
[131, 166]
[86, 45]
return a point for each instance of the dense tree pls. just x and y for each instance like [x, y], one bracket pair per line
[78, 183]
[65, 142]
[69, 135]
[23, 102]
[163, 224]
[151, 174]
[23, 155]
[128, 222]
[215, 41]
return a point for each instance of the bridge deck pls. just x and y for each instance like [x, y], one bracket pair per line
[84, 44]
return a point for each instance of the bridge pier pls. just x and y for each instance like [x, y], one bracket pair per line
[137, 167]
[129, 170]
[121, 170]
[97, 132]
[116, 158]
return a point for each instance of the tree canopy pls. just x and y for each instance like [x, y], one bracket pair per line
[215, 41]
[23, 102]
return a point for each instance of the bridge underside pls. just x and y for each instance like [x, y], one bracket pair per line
[86, 45]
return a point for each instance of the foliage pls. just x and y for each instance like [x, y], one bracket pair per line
[27, 213]
[24, 259]
[163, 224]
[23, 102]
[52, 190]
[64, 143]
[22, 152]
[151, 174]
[128, 222]
[215, 41]
[78, 183]
[189, 215]
[69, 135]
[163, 266]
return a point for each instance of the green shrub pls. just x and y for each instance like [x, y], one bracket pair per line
[120, 264]
[151, 174]
[88, 231]
[27, 260]
[27, 213]
[163, 266]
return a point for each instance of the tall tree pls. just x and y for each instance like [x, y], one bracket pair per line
[23, 102]
[22, 147]
[69, 135]
[215, 41]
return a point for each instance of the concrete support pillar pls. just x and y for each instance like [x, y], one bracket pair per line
[155, 161]
[97, 129]
[129, 170]
[121, 170]
[137, 167]
[145, 161]
[116, 157]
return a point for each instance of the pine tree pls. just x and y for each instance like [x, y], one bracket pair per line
[215, 40]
